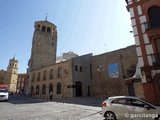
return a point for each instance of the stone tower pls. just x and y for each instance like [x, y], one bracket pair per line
[12, 74]
[44, 45]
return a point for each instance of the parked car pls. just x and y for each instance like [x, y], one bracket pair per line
[3, 92]
[129, 108]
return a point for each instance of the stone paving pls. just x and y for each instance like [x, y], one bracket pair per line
[22, 108]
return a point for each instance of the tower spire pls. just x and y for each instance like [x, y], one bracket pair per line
[46, 17]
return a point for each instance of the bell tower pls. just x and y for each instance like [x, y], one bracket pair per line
[12, 74]
[44, 45]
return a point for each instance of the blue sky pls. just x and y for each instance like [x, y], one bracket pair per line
[84, 26]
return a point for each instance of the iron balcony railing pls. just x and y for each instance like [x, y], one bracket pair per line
[152, 24]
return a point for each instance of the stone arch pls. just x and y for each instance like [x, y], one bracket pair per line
[48, 29]
[37, 90]
[44, 89]
[50, 87]
[43, 29]
[59, 88]
[59, 72]
[32, 90]
[153, 14]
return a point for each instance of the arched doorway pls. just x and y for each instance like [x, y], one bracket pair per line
[32, 89]
[44, 89]
[51, 88]
[59, 88]
[78, 89]
[37, 90]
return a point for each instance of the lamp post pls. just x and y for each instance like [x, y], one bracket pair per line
[99, 68]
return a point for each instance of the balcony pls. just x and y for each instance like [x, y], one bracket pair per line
[156, 61]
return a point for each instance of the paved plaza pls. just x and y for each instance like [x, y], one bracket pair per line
[23, 108]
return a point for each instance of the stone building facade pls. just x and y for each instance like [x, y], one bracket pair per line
[115, 67]
[66, 56]
[21, 82]
[75, 76]
[10, 76]
[66, 79]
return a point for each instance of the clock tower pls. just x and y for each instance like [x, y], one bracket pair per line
[44, 45]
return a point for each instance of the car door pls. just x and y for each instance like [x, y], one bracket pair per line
[141, 110]
[120, 107]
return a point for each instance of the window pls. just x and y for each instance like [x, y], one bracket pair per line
[120, 101]
[137, 103]
[43, 28]
[48, 29]
[18, 85]
[59, 88]
[80, 69]
[91, 70]
[44, 75]
[154, 13]
[76, 68]
[33, 76]
[32, 89]
[157, 44]
[51, 88]
[22, 85]
[44, 89]
[37, 90]
[38, 77]
[59, 72]
[51, 74]
[159, 83]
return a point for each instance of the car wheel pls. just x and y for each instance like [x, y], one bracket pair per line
[110, 116]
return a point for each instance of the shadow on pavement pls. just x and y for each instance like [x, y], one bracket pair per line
[87, 101]
[22, 99]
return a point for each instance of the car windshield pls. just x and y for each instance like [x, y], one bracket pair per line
[3, 90]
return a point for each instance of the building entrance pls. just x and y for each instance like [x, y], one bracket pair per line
[78, 89]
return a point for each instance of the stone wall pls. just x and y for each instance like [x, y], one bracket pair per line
[123, 59]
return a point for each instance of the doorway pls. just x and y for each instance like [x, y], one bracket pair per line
[78, 89]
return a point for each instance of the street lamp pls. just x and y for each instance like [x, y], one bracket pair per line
[99, 68]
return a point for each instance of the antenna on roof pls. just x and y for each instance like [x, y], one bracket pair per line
[46, 17]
